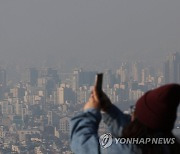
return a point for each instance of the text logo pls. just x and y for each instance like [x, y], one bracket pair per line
[105, 140]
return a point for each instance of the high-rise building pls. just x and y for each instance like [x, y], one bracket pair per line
[47, 78]
[107, 81]
[2, 83]
[75, 79]
[64, 94]
[137, 71]
[49, 73]
[82, 78]
[172, 68]
[31, 76]
[123, 73]
[50, 117]
[2, 77]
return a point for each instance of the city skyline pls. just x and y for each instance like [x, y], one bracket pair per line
[35, 111]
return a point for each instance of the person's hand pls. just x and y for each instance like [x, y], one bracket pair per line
[98, 100]
[93, 102]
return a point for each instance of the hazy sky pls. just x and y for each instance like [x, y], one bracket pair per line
[88, 32]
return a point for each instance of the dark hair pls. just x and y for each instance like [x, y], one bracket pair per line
[136, 129]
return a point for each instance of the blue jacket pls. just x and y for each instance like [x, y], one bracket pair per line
[84, 132]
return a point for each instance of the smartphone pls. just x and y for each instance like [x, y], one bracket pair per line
[99, 82]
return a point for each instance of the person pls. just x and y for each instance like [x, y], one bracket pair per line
[154, 117]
